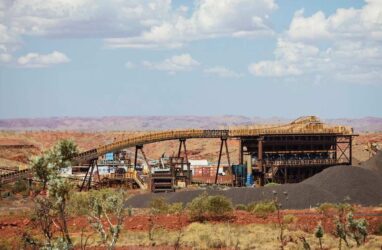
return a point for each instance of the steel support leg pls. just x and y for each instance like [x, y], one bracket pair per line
[229, 162]
[84, 180]
[219, 160]
[350, 151]
[90, 176]
[240, 151]
[260, 160]
[136, 156]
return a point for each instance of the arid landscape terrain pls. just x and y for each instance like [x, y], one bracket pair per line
[88, 133]
[21, 141]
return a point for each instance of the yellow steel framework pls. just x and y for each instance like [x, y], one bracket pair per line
[303, 125]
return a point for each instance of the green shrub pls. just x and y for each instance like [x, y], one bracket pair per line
[326, 207]
[198, 207]
[219, 205]
[241, 207]
[262, 209]
[358, 228]
[158, 205]
[175, 208]
[203, 205]
[161, 206]
[79, 202]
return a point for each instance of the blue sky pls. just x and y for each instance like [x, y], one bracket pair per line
[244, 57]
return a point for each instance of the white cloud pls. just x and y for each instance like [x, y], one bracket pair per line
[273, 68]
[343, 24]
[210, 19]
[5, 58]
[130, 65]
[343, 47]
[78, 19]
[35, 60]
[183, 62]
[132, 23]
[222, 72]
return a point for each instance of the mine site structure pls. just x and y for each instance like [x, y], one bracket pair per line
[285, 153]
[291, 158]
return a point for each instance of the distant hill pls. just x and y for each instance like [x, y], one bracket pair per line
[144, 123]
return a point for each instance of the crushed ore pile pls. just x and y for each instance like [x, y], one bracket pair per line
[358, 185]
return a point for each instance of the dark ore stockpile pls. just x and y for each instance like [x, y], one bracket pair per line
[359, 185]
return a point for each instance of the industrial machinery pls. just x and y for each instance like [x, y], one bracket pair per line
[283, 153]
[172, 172]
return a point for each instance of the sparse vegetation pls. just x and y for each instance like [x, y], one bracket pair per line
[161, 206]
[326, 208]
[41, 169]
[262, 209]
[79, 202]
[215, 206]
[54, 207]
[198, 207]
[357, 229]
[218, 206]
[280, 221]
[102, 209]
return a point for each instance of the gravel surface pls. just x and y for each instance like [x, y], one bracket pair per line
[359, 185]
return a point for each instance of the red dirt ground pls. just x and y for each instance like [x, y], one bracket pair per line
[306, 220]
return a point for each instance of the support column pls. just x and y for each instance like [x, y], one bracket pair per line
[335, 151]
[137, 147]
[180, 147]
[189, 174]
[84, 180]
[350, 150]
[182, 143]
[229, 161]
[185, 150]
[260, 160]
[220, 156]
[91, 175]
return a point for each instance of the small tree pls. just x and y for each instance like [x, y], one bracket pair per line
[62, 154]
[280, 220]
[357, 229]
[46, 168]
[44, 218]
[102, 209]
[341, 234]
[59, 190]
[319, 233]
[41, 170]
[219, 205]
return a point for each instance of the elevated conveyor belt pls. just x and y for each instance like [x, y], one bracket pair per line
[304, 125]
